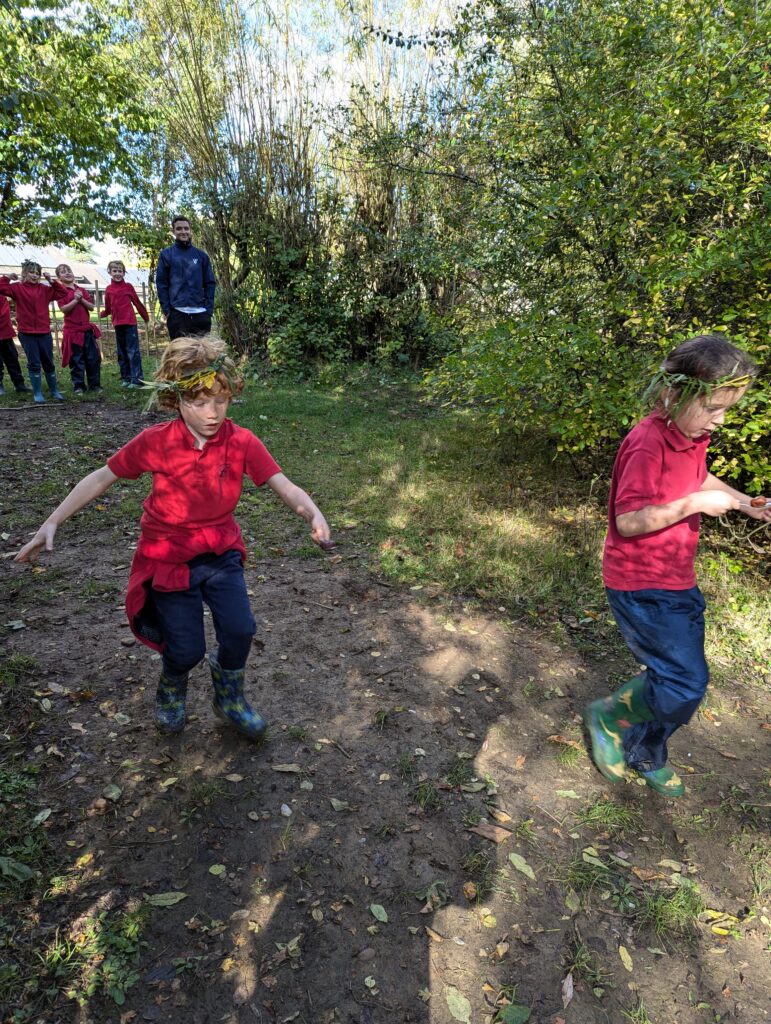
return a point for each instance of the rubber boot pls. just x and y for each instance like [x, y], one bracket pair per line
[229, 703]
[37, 387]
[606, 721]
[170, 702]
[665, 781]
[2, 390]
[53, 387]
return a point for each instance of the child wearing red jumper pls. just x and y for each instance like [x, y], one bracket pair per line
[660, 488]
[8, 356]
[190, 550]
[32, 300]
[80, 350]
[120, 298]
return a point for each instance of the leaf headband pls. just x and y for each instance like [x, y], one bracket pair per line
[687, 388]
[200, 380]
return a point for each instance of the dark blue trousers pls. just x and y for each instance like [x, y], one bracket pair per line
[218, 581]
[129, 356]
[85, 361]
[664, 629]
[39, 350]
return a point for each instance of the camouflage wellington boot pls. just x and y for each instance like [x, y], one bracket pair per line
[606, 721]
[229, 702]
[170, 703]
[665, 781]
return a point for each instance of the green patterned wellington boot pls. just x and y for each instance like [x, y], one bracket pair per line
[170, 703]
[606, 721]
[665, 781]
[229, 702]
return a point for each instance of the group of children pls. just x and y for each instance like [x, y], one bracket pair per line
[191, 553]
[32, 294]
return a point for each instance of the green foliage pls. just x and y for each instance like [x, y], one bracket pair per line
[69, 105]
[621, 165]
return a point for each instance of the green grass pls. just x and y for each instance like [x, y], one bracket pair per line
[605, 815]
[670, 913]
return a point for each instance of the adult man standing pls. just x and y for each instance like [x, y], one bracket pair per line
[185, 284]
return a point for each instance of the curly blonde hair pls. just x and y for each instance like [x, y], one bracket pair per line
[184, 357]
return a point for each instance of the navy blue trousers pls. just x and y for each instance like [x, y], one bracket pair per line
[39, 350]
[129, 356]
[218, 581]
[664, 629]
[85, 361]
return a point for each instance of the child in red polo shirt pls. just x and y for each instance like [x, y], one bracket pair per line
[190, 549]
[33, 299]
[80, 350]
[660, 487]
[8, 355]
[120, 298]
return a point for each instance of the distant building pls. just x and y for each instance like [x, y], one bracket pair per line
[49, 257]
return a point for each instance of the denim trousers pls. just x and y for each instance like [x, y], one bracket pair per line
[85, 361]
[664, 630]
[217, 581]
[39, 350]
[129, 356]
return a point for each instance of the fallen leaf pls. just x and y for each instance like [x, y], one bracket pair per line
[521, 865]
[519, 763]
[379, 912]
[458, 1005]
[217, 870]
[234, 778]
[434, 936]
[470, 891]
[500, 816]
[626, 959]
[513, 1014]
[291, 768]
[647, 874]
[424, 994]
[564, 741]
[339, 805]
[567, 990]
[567, 794]
[112, 792]
[165, 899]
[491, 832]
[728, 754]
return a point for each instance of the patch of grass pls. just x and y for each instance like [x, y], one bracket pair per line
[525, 831]
[481, 867]
[297, 732]
[405, 766]
[585, 877]
[460, 772]
[471, 817]
[608, 816]
[638, 1015]
[381, 718]
[205, 791]
[583, 963]
[426, 796]
[568, 757]
[388, 829]
[16, 668]
[670, 912]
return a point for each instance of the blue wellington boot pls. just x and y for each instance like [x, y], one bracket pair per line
[53, 387]
[170, 703]
[36, 380]
[229, 703]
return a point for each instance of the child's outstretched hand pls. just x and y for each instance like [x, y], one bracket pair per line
[320, 533]
[755, 510]
[43, 539]
[716, 503]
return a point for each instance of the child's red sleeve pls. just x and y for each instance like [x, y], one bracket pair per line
[107, 311]
[140, 307]
[639, 481]
[6, 286]
[59, 292]
[260, 465]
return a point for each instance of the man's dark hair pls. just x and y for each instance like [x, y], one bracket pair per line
[179, 217]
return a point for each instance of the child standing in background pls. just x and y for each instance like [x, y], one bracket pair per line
[8, 355]
[33, 299]
[190, 550]
[80, 350]
[120, 298]
[660, 488]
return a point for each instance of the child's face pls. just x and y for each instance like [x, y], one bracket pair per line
[31, 276]
[116, 274]
[65, 274]
[702, 415]
[204, 414]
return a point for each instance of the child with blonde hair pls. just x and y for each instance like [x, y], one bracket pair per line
[190, 550]
[659, 490]
[33, 317]
[120, 300]
[80, 349]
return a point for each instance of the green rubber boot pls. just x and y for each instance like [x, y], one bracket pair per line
[230, 704]
[170, 703]
[606, 721]
[665, 781]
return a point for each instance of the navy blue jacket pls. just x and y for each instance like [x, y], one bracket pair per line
[185, 278]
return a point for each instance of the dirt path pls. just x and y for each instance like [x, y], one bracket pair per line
[331, 874]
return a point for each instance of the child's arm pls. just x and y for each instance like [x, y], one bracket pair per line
[6, 284]
[294, 497]
[139, 305]
[712, 502]
[86, 490]
[67, 307]
[107, 311]
[716, 484]
[85, 299]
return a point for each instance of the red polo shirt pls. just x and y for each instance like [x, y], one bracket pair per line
[32, 304]
[6, 327]
[655, 464]
[189, 510]
[119, 300]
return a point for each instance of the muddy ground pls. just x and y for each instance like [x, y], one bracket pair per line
[331, 874]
